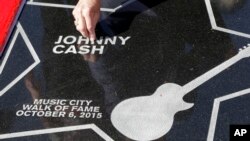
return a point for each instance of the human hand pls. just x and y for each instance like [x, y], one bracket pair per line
[87, 14]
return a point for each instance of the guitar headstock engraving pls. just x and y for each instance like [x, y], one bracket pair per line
[244, 52]
[151, 117]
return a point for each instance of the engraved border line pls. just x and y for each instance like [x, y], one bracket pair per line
[95, 128]
[58, 130]
[20, 31]
[216, 107]
[29, 45]
[112, 10]
[214, 24]
[8, 51]
[37, 61]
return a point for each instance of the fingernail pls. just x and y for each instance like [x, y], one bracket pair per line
[92, 37]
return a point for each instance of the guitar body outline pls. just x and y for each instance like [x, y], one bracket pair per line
[153, 111]
[150, 117]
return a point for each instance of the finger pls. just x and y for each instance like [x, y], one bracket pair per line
[75, 15]
[76, 23]
[81, 26]
[77, 10]
[74, 12]
[91, 21]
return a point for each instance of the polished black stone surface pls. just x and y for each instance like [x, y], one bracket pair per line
[171, 41]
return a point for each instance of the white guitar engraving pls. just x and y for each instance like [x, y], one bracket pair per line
[151, 117]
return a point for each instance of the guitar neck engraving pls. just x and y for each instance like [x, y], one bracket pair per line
[155, 113]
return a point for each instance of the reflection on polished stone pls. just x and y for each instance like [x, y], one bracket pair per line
[145, 44]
